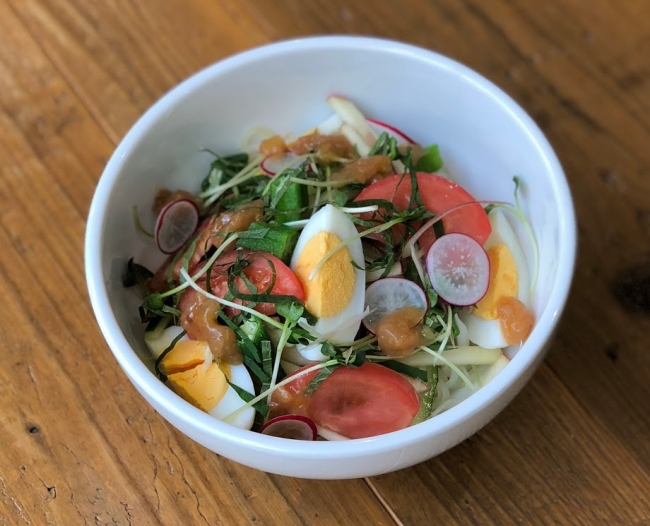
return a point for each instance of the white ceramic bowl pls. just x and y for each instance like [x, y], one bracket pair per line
[485, 138]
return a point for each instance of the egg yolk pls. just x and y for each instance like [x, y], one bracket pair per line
[193, 374]
[331, 289]
[503, 282]
[203, 387]
[185, 355]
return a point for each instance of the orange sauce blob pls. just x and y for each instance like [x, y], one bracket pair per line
[515, 320]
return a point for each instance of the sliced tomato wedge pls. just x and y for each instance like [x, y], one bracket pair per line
[438, 196]
[260, 269]
[360, 402]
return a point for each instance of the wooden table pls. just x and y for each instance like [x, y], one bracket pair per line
[78, 445]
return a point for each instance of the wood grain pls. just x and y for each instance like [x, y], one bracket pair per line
[78, 444]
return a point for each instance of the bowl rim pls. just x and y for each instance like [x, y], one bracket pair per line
[146, 381]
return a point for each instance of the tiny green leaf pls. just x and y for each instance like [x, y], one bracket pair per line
[431, 161]
[290, 310]
[327, 349]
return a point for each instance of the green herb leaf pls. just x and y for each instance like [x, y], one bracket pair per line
[439, 229]
[155, 304]
[222, 169]
[247, 347]
[259, 233]
[267, 358]
[319, 378]
[247, 191]
[339, 198]
[327, 349]
[171, 267]
[290, 310]
[358, 358]
[409, 370]
[426, 398]
[416, 198]
[256, 369]
[159, 372]
[431, 161]
[300, 335]
[136, 274]
[384, 145]
[432, 295]
[189, 253]
[261, 406]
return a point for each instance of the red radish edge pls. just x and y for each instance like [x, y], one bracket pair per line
[263, 166]
[160, 222]
[370, 322]
[299, 425]
[391, 129]
[287, 162]
[462, 294]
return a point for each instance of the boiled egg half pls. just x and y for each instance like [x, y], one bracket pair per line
[335, 290]
[196, 377]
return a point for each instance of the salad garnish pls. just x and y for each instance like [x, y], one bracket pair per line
[334, 285]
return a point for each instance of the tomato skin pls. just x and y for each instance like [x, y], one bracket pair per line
[258, 272]
[290, 399]
[361, 402]
[438, 195]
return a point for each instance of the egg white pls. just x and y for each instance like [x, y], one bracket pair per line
[341, 327]
[164, 340]
[231, 401]
[487, 333]
[239, 376]
[504, 234]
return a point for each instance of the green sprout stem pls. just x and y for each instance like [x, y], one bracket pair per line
[251, 167]
[359, 209]
[452, 366]
[284, 337]
[322, 184]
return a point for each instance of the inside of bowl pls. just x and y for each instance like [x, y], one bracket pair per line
[483, 140]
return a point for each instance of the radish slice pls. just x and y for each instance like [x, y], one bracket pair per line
[391, 130]
[390, 294]
[272, 165]
[176, 223]
[294, 427]
[459, 269]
